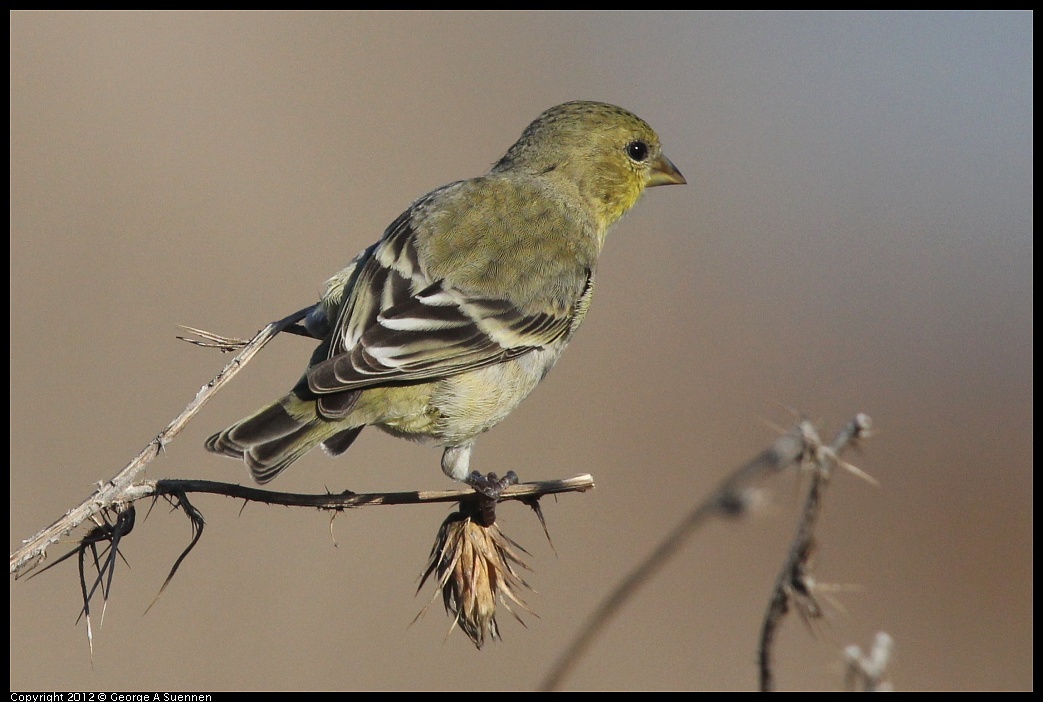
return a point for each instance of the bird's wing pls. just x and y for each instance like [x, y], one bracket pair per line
[397, 325]
[436, 333]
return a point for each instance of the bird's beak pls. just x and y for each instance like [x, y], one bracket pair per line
[664, 173]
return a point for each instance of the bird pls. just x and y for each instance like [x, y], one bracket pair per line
[437, 331]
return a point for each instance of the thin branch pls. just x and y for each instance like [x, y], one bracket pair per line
[347, 500]
[33, 550]
[795, 586]
[176, 492]
[730, 498]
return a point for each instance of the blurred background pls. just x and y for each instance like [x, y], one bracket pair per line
[856, 236]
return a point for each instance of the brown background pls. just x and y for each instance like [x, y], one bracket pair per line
[856, 235]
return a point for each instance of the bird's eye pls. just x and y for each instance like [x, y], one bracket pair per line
[637, 150]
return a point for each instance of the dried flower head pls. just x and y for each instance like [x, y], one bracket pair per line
[475, 566]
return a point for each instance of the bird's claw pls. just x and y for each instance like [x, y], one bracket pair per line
[489, 485]
[490, 488]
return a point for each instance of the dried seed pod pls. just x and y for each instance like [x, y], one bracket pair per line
[475, 567]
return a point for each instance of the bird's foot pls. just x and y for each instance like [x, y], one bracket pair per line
[489, 488]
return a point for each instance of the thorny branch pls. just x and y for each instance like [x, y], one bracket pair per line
[795, 586]
[731, 498]
[110, 493]
[348, 499]
[110, 531]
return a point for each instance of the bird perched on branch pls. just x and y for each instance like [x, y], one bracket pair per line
[437, 331]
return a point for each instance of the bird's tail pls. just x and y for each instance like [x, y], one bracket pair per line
[277, 435]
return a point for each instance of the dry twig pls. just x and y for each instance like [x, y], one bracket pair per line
[731, 498]
[110, 493]
[795, 586]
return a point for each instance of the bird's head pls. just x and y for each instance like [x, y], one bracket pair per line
[609, 154]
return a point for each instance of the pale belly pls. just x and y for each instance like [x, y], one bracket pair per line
[456, 410]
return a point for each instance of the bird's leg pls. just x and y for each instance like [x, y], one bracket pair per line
[456, 460]
[455, 463]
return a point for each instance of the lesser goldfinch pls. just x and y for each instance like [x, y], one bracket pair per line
[437, 331]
